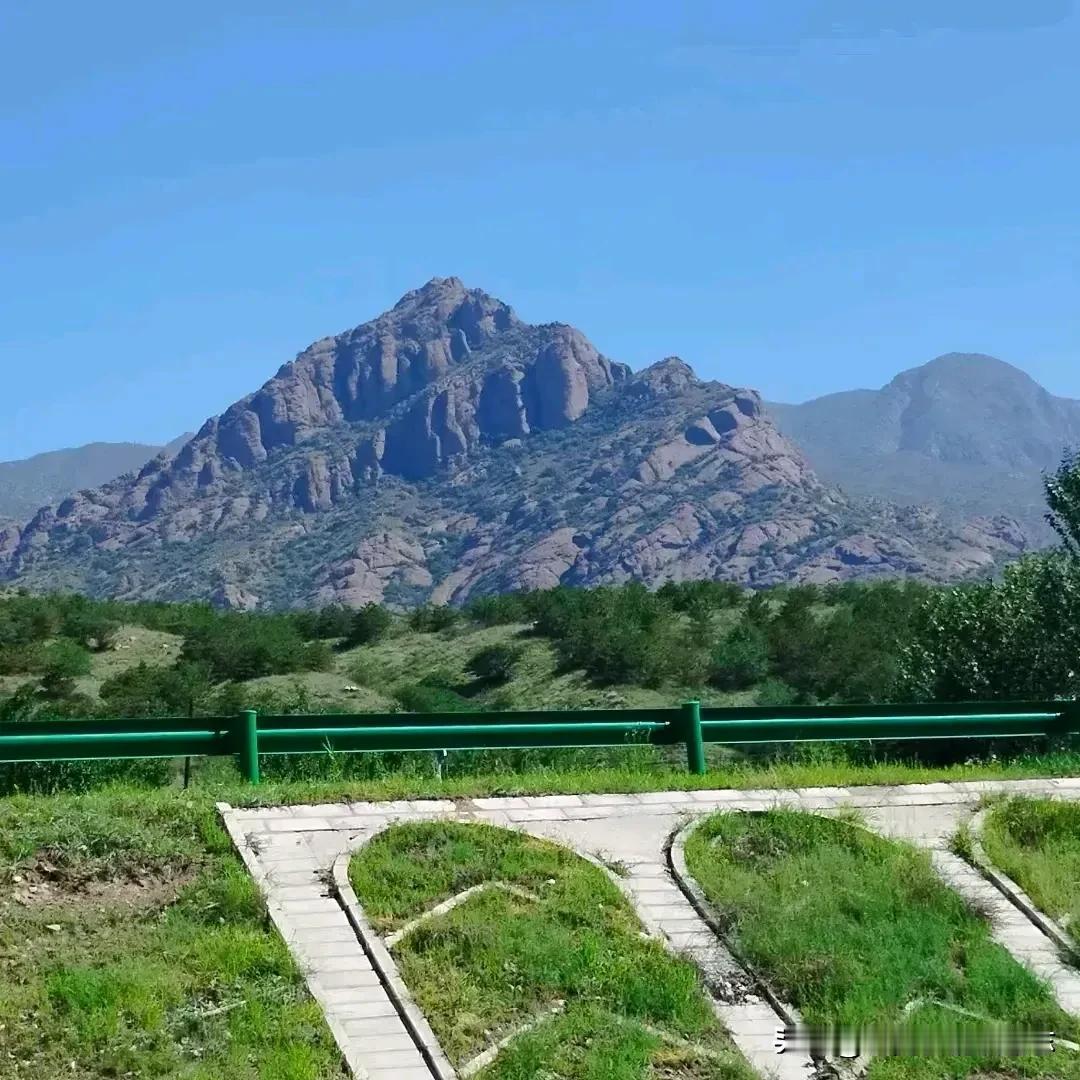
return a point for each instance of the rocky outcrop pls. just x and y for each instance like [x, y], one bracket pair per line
[446, 448]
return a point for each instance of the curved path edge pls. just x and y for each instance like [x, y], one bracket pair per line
[1013, 892]
[386, 968]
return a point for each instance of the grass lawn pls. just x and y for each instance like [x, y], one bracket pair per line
[1037, 843]
[133, 944]
[855, 929]
[482, 969]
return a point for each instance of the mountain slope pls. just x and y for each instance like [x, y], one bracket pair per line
[27, 484]
[447, 448]
[968, 434]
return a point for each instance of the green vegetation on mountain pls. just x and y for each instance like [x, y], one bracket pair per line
[447, 450]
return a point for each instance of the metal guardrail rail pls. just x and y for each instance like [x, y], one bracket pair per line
[247, 735]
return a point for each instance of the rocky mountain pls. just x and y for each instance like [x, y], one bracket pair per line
[966, 434]
[446, 449]
[27, 484]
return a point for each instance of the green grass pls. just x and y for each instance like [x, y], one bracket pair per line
[855, 929]
[1037, 843]
[537, 681]
[133, 943]
[498, 959]
[633, 769]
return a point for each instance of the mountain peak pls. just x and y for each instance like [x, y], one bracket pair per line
[971, 372]
[668, 376]
[966, 432]
[446, 448]
[434, 290]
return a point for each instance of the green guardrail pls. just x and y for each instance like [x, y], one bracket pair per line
[247, 736]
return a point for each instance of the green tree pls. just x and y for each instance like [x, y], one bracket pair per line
[371, 623]
[1063, 501]
[240, 646]
[1014, 639]
[145, 690]
[429, 619]
[741, 658]
[494, 665]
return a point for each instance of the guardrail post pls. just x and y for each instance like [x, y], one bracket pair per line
[248, 732]
[692, 736]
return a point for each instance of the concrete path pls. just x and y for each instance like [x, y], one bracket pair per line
[290, 850]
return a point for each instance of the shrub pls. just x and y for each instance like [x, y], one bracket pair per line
[430, 619]
[1016, 639]
[318, 656]
[623, 634]
[89, 628]
[501, 610]
[424, 697]
[741, 659]
[776, 692]
[18, 659]
[243, 646]
[1063, 501]
[62, 658]
[700, 597]
[369, 624]
[326, 624]
[495, 664]
[157, 691]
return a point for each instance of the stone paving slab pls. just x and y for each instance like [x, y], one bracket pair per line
[290, 851]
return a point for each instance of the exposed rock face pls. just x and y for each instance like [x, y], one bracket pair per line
[447, 448]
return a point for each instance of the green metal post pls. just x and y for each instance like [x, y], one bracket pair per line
[695, 743]
[249, 745]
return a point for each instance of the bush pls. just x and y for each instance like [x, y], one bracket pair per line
[426, 697]
[776, 692]
[501, 610]
[1063, 501]
[1016, 639]
[244, 646]
[327, 624]
[369, 624]
[18, 659]
[62, 658]
[318, 656]
[89, 628]
[495, 664]
[741, 659]
[429, 619]
[157, 691]
[624, 634]
[701, 597]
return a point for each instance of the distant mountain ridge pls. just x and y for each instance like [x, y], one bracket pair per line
[445, 449]
[29, 483]
[966, 433]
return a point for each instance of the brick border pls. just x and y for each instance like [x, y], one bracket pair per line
[676, 856]
[1012, 892]
[386, 968]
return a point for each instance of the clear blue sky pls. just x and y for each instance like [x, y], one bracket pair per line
[797, 195]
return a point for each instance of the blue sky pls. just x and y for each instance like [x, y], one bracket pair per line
[797, 195]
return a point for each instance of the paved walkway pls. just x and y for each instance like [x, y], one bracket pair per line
[290, 851]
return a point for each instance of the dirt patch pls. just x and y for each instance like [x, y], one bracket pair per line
[41, 884]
